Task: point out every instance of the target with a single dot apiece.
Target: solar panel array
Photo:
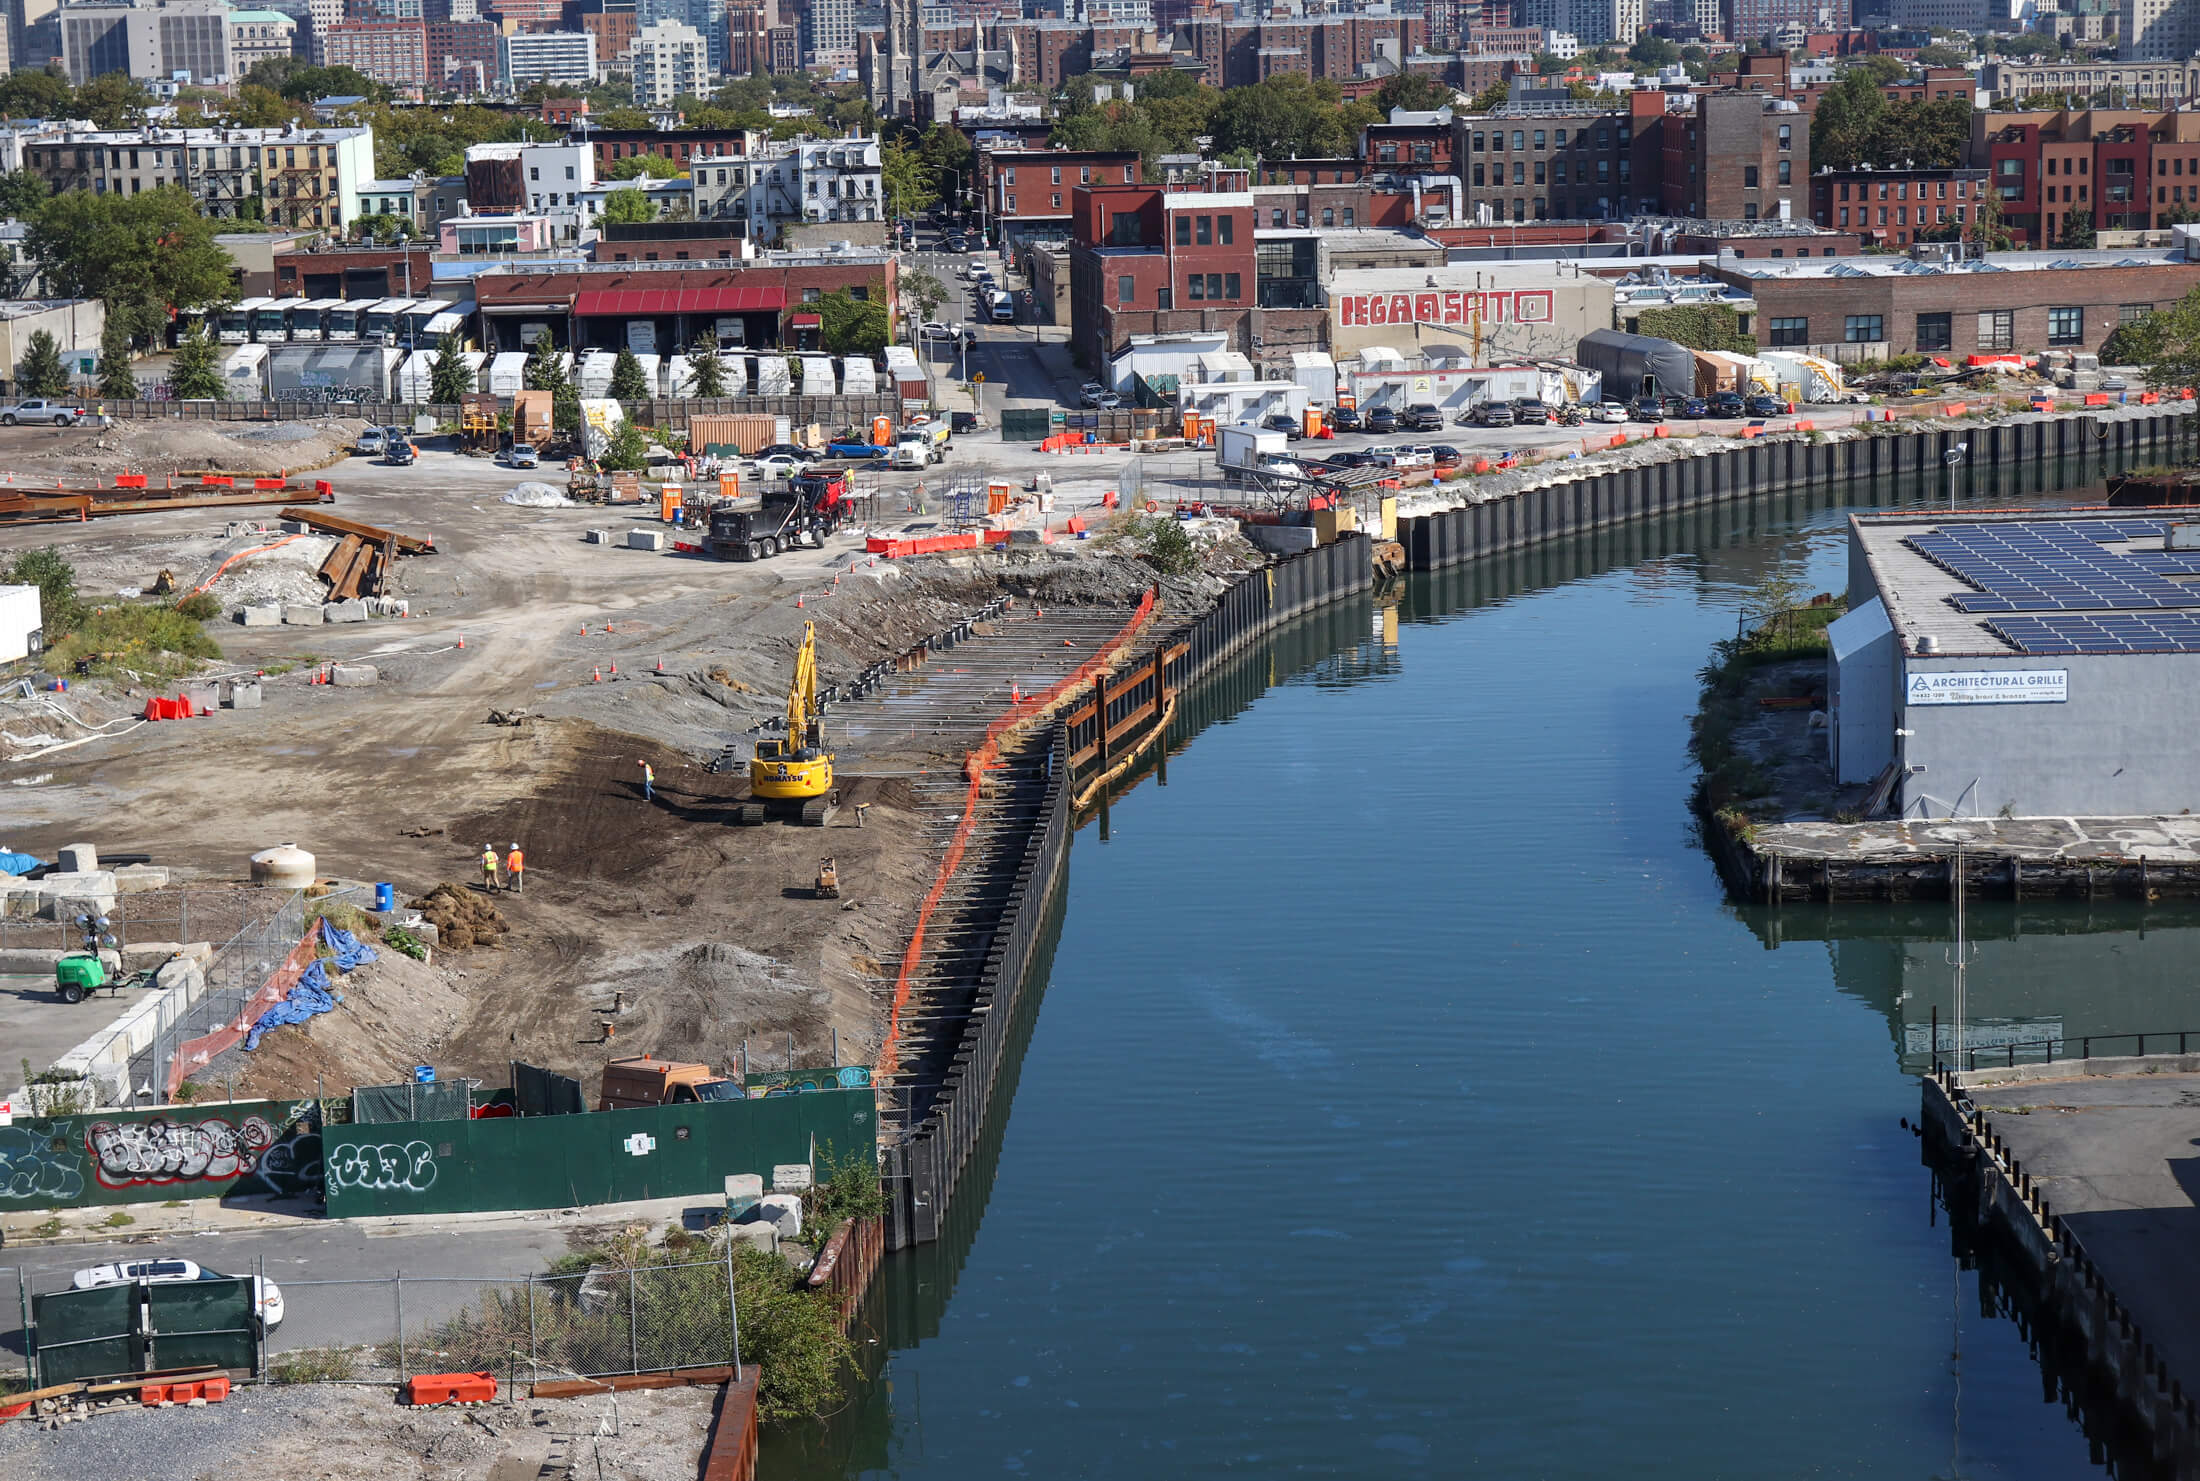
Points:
(2109, 632)
(2059, 566)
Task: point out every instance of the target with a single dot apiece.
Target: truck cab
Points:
(913, 454)
(646, 1080)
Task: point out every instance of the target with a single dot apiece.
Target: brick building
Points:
(1547, 161)
(612, 145)
(1735, 156)
(468, 50)
(1893, 208)
(1230, 52)
(1417, 141)
(773, 297)
(1148, 260)
(359, 273)
(393, 53)
(2016, 303)
(1028, 191)
(2125, 169)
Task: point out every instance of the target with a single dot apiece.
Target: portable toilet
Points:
(882, 431)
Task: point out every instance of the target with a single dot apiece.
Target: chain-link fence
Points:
(15, 1347)
(587, 1325)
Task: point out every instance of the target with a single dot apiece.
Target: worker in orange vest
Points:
(515, 868)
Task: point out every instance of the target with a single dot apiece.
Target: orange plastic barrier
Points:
(217, 481)
(1806, 426)
(213, 1390)
(893, 549)
(1076, 525)
(2096, 398)
(1659, 432)
(1619, 439)
(129, 480)
(2149, 398)
(451, 1388)
(1955, 408)
(270, 483)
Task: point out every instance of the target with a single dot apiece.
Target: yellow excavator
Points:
(791, 779)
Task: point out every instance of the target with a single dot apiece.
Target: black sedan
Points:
(1647, 409)
(1728, 404)
(1766, 406)
(1290, 426)
(1382, 419)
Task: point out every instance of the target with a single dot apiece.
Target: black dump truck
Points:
(799, 516)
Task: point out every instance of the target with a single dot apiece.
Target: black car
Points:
(1728, 404)
(1348, 460)
(1343, 419)
(953, 244)
(1766, 406)
(1646, 409)
(1695, 406)
(1446, 455)
(790, 449)
(1290, 426)
(1382, 419)
(1494, 414)
(1674, 406)
(961, 421)
(1424, 417)
(1530, 412)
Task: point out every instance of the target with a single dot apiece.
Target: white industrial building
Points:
(1476, 313)
(2020, 665)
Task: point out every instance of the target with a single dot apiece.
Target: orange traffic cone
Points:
(584, 629)
(614, 671)
(461, 640)
(660, 665)
(1015, 694)
(798, 601)
(596, 676)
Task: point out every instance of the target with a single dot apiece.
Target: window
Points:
(1183, 231)
(1193, 288)
(1844, 216)
(1997, 329)
(1787, 136)
(1329, 217)
(1859, 329)
(1126, 174)
(1275, 217)
(1559, 138)
(2132, 313)
(1749, 177)
(533, 172)
(1790, 331)
(1223, 225)
(1935, 331)
(1787, 171)
(1386, 154)
(1009, 205)
(1214, 285)
(1057, 200)
(1348, 215)
(1519, 138)
(1204, 232)
(1008, 176)
(1539, 138)
(1519, 174)
(1084, 174)
(1057, 176)
(1126, 289)
(1477, 141)
(1230, 286)
(568, 172)
(1558, 172)
(1478, 172)
(1540, 173)
(1126, 229)
(2066, 326)
(812, 295)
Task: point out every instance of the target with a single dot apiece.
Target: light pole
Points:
(1951, 460)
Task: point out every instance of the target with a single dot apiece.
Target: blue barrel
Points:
(385, 897)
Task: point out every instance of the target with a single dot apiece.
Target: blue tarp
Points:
(312, 996)
(17, 863)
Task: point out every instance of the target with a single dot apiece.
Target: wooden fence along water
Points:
(1967, 460)
(921, 1165)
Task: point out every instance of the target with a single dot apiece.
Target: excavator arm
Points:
(802, 693)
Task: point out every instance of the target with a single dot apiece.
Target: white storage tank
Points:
(283, 867)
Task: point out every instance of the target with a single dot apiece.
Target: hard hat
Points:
(515, 845)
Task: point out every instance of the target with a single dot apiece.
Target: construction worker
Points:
(649, 783)
(515, 868)
(489, 879)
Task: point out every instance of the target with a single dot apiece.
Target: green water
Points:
(1406, 1098)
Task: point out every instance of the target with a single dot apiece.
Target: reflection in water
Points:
(1413, 1102)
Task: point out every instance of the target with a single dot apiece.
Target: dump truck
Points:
(646, 1080)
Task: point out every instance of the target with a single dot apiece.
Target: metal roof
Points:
(751, 299)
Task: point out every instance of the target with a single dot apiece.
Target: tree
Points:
(450, 378)
(302, 82)
(627, 381)
(906, 179)
(852, 326)
(626, 447)
(1653, 52)
(114, 100)
(1414, 93)
(380, 224)
(1491, 98)
(40, 372)
(21, 193)
(628, 206)
(60, 610)
(705, 369)
(636, 166)
(622, 118)
(1938, 55)
(1288, 116)
(924, 293)
(116, 380)
(2165, 343)
(192, 375)
(35, 93)
(2077, 231)
(147, 255)
(545, 368)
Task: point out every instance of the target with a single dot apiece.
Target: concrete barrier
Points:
(353, 675)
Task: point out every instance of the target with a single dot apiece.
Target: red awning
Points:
(805, 321)
(637, 301)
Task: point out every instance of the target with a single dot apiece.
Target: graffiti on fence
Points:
(410, 1167)
(38, 1162)
(130, 1154)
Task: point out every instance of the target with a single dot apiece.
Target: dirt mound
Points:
(395, 1013)
(461, 918)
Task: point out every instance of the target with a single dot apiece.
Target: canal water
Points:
(1406, 1098)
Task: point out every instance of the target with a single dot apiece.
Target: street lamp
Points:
(1951, 460)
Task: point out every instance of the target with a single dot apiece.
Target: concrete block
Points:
(598, 537)
(21, 901)
(27, 961)
(354, 610)
(645, 539)
(244, 695)
(1032, 536)
(1281, 539)
(267, 616)
(427, 933)
(76, 858)
(783, 1211)
(744, 1190)
(301, 616)
(69, 903)
(135, 879)
(181, 973)
(763, 1236)
(353, 675)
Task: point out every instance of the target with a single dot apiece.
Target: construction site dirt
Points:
(517, 703)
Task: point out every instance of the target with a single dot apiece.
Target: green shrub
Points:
(138, 640)
(397, 938)
(61, 609)
(314, 1365)
(200, 606)
(847, 1188)
(1161, 541)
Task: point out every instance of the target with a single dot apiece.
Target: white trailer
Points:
(817, 376)
(508, 373)
(1247, 447)
(244, 374)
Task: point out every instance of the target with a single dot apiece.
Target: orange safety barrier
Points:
(932, 545)
(1659, 432)
(2096, 398)
(216, 481)
(1481, 465)
(2149, 398)
(1955, 408)
(213, 1390)
(1076, 525)
(996, 537)
(1806, 425)
(1619, 439)
(322, 487)
(1754, 429)
(2184, 393)
(270, 483)
(129, 480)
(974, 767)
(194, 1055)
(451, 1388)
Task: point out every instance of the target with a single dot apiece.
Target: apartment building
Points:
(258, 35)
(2123, 169)
(309, 177)
(1894, 208)
(1734, 156)
(1028, 191)
(1546, 161)
(1146, 259)
(794, 181)
(548, 56)
(1334, 46)
(158, 39)
(549, 181)
(2163, 82)
(393, 53)
(669, 59)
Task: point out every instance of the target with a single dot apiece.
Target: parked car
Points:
(977, 270)
(854, 452)
(1766, 406)
(1528, 411)
(1494, 413)
(934, 329)
(1424, 456)
(1695, 406)
(1423, 416)
(954, 244)
(1106, 401)
(1343, 419)
(269, 1296)
(1728, 404)
(371, 442)
(1290, 426)
(778, 465)
(1089, 390)
(1342, 461)
(520, 455)
(399, 452)
(962, 421)
(1675, 406)
(2114, 383)
(1381, 419)
(41, 411)
(1646, 409)
(1608, 411)
(789, 449)
(1447, 456)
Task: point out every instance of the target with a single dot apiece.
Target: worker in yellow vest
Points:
(489, 880)
(649, 782)
(515, 868)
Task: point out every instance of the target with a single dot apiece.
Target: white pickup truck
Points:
(41, 411)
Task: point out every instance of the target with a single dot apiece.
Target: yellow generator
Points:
(791, 779)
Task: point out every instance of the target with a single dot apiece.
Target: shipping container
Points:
(719, 436)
